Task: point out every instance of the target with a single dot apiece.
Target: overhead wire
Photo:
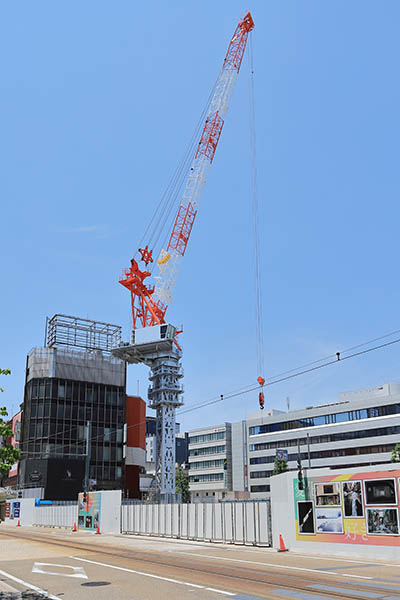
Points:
(280, 378)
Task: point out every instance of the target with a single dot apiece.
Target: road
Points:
(63, 565)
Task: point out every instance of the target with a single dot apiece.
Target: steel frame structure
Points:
(81, 334)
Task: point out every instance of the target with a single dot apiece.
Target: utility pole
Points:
(308, 449)
(87, 459)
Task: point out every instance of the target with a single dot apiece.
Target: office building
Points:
(360, 429)
(210, 463)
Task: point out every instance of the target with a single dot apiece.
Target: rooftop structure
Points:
(65, 331)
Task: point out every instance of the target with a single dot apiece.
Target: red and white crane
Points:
(150, 302)
(160, 349)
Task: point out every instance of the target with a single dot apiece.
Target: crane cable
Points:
(256, 232)
(162, 212)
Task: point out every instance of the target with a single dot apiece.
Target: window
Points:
(260, 488)
(207, 437)
(260, 474)
(106, 434)
(208, 477)
(341, 417)
(208, 450)
(207, 464)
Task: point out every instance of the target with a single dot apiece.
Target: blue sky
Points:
(98, 101)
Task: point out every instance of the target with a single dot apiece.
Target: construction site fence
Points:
(57, 515)
(229, 522)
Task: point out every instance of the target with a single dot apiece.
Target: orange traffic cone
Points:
(98, 529)
(18, 524)
(74, 527)
(282, 547)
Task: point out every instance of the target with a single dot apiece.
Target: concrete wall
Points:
(331, 529)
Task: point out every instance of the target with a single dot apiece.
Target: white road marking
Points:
(252, 562)
(30, 586)
(202, 587)
(78, 572)
(311, 557)
(362, 562)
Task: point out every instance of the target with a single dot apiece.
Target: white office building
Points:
(210, 457)
(361, 429)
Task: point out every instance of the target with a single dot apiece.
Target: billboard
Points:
(352, 508)
(89, 505)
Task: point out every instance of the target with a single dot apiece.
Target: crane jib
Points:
(149, 304)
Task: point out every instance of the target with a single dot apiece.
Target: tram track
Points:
(252, 580)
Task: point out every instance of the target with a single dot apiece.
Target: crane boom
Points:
(149, 304)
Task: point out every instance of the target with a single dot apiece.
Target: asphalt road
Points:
(59, 564)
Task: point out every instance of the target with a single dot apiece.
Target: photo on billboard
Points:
(305, 510)
(380, 491)
(327, 494)
(352, 499)
(382, 521)
(329, 520)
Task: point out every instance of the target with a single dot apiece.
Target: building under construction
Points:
(74, 413)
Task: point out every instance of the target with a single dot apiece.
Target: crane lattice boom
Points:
(149, 304)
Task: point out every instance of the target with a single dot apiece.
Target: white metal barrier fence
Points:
(229, 522)
(64, 515)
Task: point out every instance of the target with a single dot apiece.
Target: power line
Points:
(275, 380)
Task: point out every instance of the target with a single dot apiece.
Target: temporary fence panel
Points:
(218, 529)
(229, 522)
(64, 515)
(208, 521)
(176, 519)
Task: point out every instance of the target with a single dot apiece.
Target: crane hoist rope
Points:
(256, 232)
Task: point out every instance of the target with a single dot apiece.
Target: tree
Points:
(396, 454)
(182, 484)
(8, 454)
(280, 466)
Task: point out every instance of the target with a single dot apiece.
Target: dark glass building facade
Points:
(79, 387)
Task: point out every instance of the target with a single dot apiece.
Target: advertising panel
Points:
(89, 506)
(351, 508)
(352, 499)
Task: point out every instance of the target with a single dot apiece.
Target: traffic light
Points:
(84, 497)
(300, 479)
(225, 464)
